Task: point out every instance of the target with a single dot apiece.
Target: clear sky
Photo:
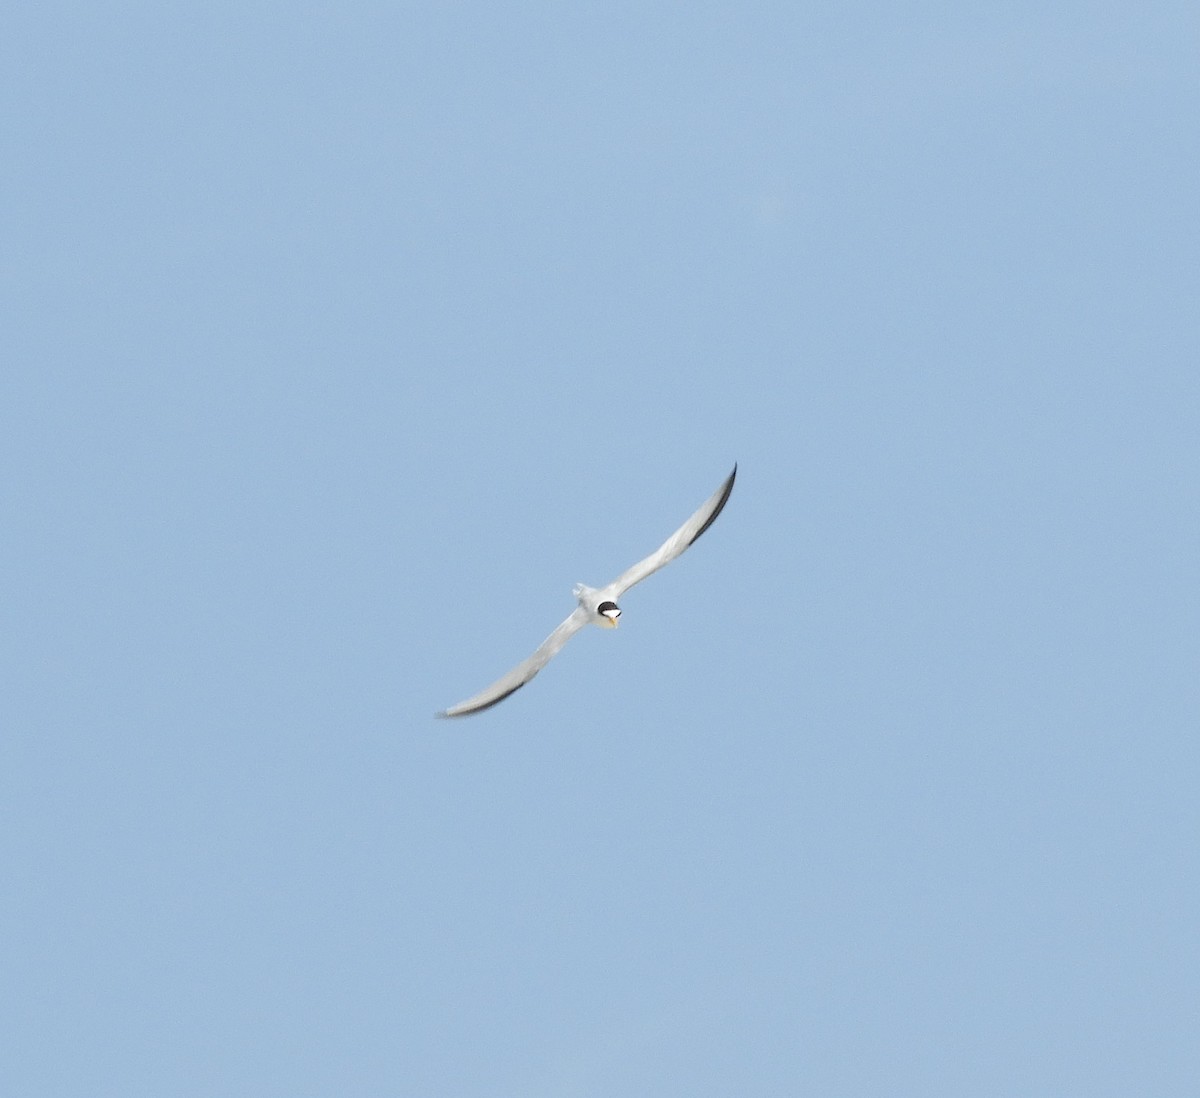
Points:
(340, 340)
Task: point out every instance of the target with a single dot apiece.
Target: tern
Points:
(597, 605)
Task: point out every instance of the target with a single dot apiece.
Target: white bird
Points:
(597, 605)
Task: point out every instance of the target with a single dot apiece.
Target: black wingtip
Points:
(725, 490)
(480, 708)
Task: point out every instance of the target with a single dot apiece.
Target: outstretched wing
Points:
(523, 672)
(677, 542)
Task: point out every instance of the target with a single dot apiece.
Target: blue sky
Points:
(342, 340)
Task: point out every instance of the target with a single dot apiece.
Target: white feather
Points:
(590, 598)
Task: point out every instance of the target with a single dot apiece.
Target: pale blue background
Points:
(339, 340)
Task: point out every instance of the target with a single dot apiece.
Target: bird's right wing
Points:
(703, 518)
(523, 672)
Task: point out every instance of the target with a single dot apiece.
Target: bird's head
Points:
(610, 612)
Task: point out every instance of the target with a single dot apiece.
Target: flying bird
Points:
(598, 605)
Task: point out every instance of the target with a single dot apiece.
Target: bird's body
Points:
(597, 605)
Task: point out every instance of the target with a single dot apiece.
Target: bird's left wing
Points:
(523, 672)
(677, 542)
